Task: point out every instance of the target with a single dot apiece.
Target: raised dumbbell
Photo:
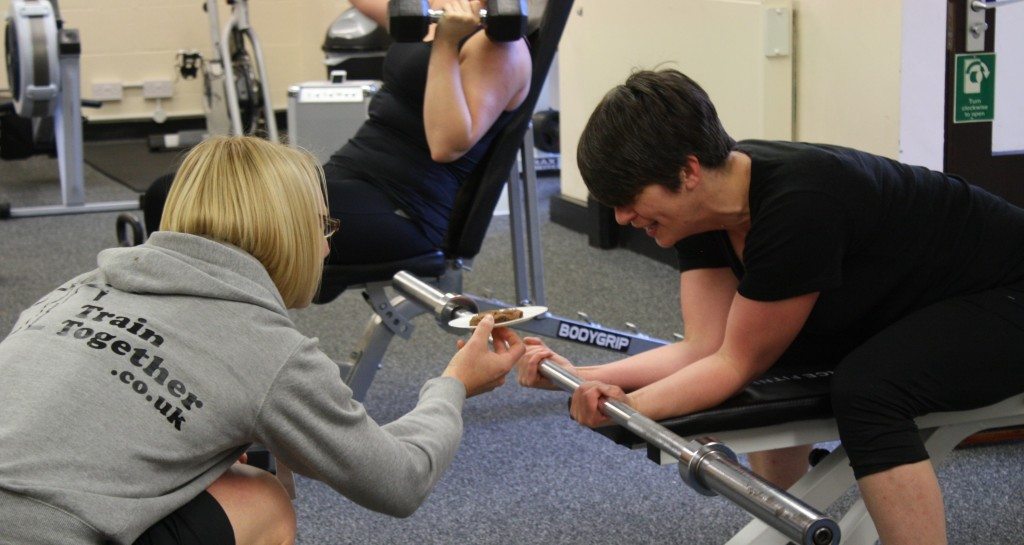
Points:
(503, 20)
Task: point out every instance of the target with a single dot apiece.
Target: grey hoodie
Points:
(131, 388)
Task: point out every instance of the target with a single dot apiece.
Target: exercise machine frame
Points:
(508, 163)
(36, 98)
(220, 86)
(238, 27)
(831, 477)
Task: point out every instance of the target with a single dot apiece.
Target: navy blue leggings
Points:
(962, 353)
(372, 229)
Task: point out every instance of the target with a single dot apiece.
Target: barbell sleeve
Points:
(420, 292)
(445, 306)
(711, 468)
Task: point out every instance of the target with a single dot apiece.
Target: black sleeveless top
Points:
(390, 150)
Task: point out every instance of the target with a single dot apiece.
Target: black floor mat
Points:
(131, 162)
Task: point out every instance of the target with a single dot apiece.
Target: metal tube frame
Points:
(67, 126)
(517, 218)
(527, 256)
(239, 21)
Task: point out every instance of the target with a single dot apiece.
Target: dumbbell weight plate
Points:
(408, 20)
(505, 20)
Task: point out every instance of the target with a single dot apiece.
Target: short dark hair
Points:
(642, 132)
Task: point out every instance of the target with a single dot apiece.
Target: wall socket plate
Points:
(162, 88)
(107, 92)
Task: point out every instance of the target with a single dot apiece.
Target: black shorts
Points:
(201, 521)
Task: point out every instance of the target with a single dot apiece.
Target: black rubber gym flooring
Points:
(130, 162)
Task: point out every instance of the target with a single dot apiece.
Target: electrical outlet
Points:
(161, 88)
(107, 92)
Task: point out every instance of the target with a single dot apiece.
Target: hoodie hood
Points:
(172, 263)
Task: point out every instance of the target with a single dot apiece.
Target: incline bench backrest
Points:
(479, 194)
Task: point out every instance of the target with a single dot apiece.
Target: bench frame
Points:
(832, 476)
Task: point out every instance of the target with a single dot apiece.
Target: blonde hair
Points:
(263, 197)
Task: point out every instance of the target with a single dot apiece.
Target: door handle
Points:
(976, 24)
(982, 5)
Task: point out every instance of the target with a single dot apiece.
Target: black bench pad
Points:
(339, 277)
(774, 398)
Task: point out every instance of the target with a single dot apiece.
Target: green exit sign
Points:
(975, 77)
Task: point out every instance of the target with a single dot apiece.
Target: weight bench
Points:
(786, 409)
(470, 218)
(706, 465)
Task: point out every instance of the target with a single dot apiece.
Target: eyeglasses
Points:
(331, 226)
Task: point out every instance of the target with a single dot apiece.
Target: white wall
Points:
(719, 43)
(848, 73)
(871, 75)
(866, 73)
(922, 83)
(1008, 126)
(134, 40)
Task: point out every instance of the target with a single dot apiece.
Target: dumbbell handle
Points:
(410, 20)
(710, 467)
(436, 14)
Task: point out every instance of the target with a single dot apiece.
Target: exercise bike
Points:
(236, 96)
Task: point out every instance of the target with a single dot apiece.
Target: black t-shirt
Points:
(877, 238)
(390, 149)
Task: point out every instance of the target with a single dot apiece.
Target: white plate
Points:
(529, 313)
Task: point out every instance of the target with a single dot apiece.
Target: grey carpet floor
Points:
(525, 473)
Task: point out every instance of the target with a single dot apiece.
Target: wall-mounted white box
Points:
(163, 88)
(107, 91)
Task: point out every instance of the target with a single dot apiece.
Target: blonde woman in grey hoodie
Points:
(130, 392)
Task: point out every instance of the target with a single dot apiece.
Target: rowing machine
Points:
(43, 69)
